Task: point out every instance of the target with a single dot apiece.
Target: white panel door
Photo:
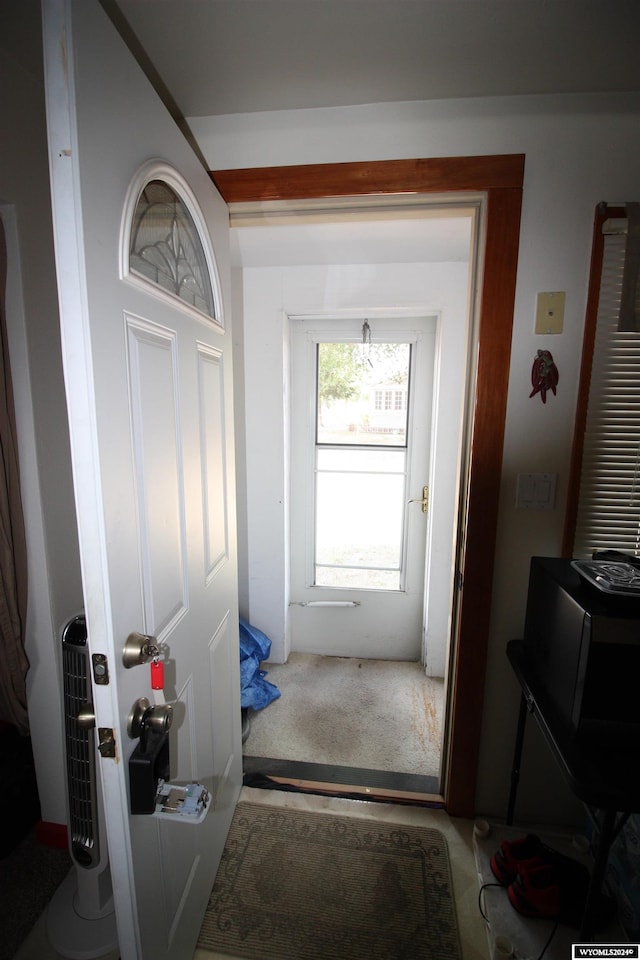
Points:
(360, 460)
(148, 380)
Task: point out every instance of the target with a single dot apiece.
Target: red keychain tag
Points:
(157, 675)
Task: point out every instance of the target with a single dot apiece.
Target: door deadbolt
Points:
(138, 649)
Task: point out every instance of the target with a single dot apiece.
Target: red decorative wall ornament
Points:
(544, 375)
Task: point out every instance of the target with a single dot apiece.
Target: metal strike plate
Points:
(106, 742)
(100, 669)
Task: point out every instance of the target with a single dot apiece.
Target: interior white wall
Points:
(55, 592)
(269, 296)
(580, 150)
(263, 458)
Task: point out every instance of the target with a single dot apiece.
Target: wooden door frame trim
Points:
(500, 178)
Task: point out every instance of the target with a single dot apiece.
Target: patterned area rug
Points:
(294, 885)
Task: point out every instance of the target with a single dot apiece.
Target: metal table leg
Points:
(517, 756)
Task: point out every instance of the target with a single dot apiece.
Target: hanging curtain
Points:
(13, 554)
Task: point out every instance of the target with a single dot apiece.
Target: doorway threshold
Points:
(340, 781)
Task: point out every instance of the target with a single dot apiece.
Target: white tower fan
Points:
(81, 920)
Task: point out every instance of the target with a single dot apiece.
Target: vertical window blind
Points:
(608, 514)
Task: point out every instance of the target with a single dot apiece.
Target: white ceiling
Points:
(242, 56)
(212, 57)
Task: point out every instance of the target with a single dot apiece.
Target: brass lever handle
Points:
(424, 500)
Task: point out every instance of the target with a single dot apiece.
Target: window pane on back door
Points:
(360, 498)
(362, 403)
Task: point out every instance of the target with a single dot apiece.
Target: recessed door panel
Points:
(212, 432)
(158, 472)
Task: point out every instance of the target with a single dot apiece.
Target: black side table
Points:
(600, 766)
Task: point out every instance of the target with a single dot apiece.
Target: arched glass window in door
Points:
(166, 248)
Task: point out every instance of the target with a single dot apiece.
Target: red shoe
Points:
(536, 892)
(506, 862)
(555, 891)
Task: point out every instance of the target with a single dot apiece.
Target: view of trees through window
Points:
(362, 393)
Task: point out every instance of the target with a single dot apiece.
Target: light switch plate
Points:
(536, 491)
(550, 312)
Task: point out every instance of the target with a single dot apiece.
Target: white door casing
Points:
(383, 624)
(148, 383)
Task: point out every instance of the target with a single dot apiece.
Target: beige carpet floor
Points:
(373, 714)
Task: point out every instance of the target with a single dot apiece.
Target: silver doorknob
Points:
(145, 718)
(86, 718)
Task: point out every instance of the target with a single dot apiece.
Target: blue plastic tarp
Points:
(255, 646)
